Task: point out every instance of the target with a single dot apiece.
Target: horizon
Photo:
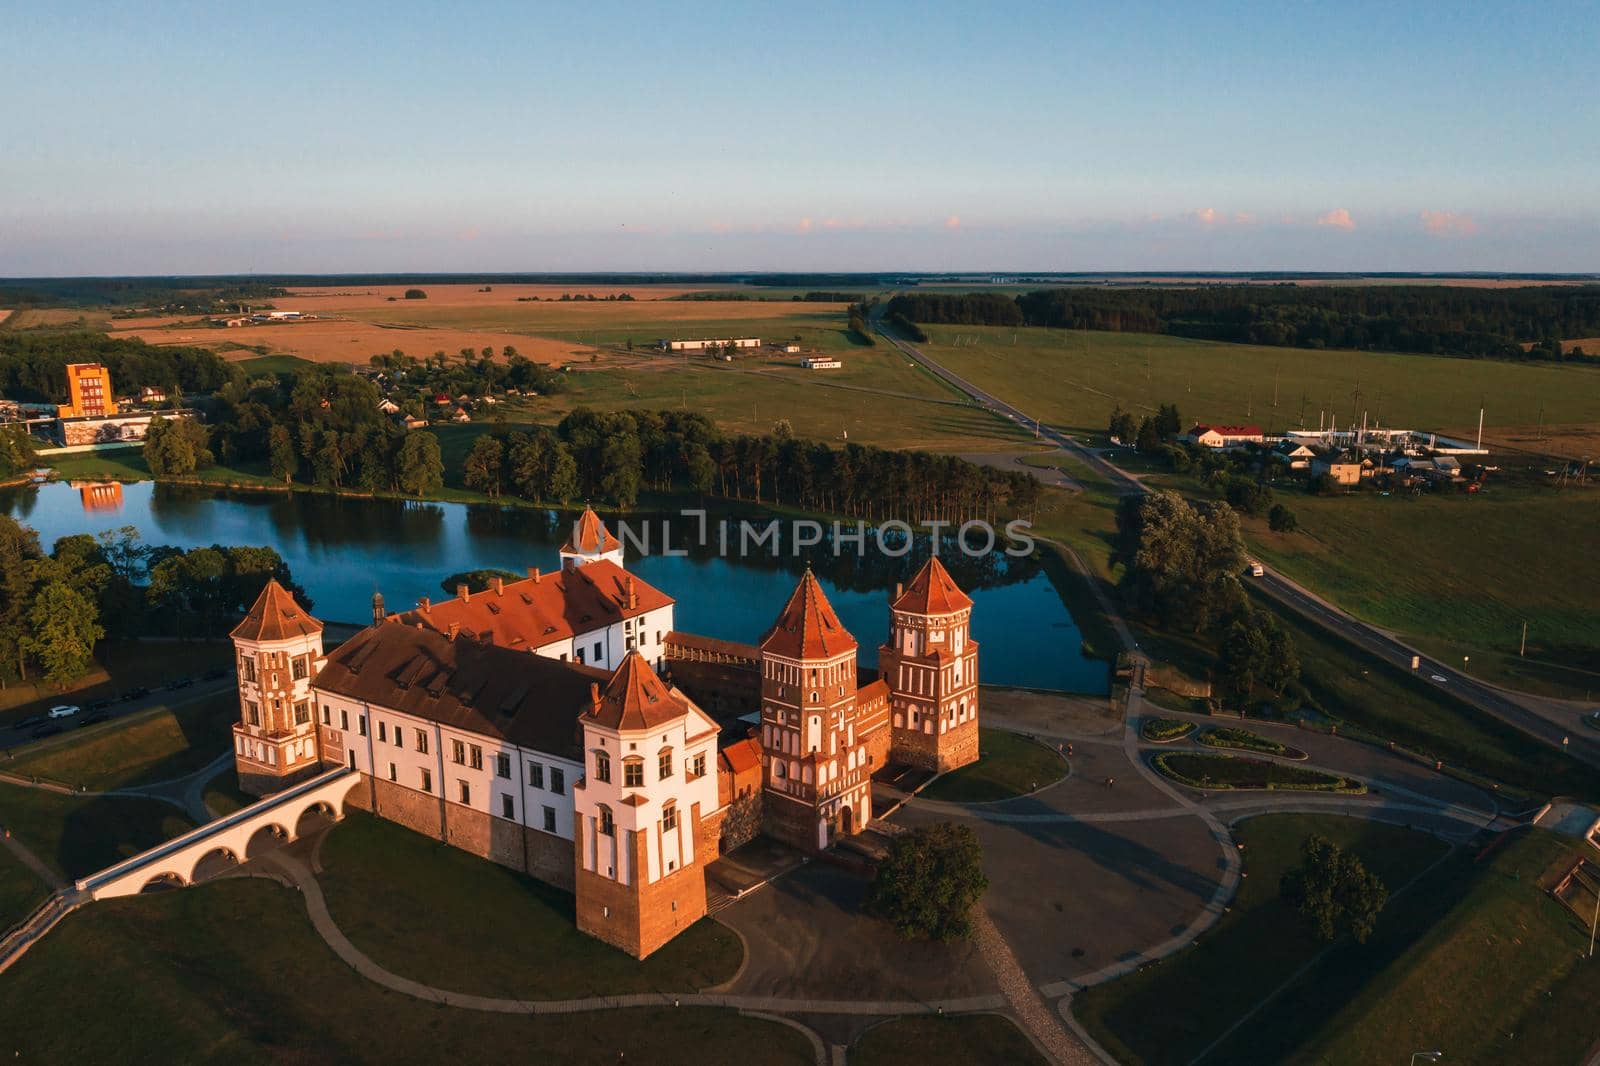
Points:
(901, 138)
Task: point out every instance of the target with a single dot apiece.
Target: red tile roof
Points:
(808, 628)
(275, 616)
(932, 591)
(544, 609)
(635, 698)
(742, 756)
(590, 537)
(1227, 431)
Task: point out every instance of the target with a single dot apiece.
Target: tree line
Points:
(1422, 319)
(33, 365)
(616, 455)
(55, 607)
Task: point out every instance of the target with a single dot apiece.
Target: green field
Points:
(379, 877)
(80, 835)
(20, 890)
(156, 745)
(1074, 379)
(1169, 1011)
(232, 973)
(1008, 765)
(1499, 977)
(970, 1039)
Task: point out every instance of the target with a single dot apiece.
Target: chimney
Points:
(378, 612)
(533, 574)
(899, 589)
(633, 594)
(499, 586)
(424, 604)
(463, 593)
(455, 627)
(594, 697)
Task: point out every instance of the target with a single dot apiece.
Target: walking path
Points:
(1045, 1028)
(184, 792)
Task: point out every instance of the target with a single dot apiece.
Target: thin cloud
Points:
(1338, 218)
(1206, 216)
(1447, 224)
(953, 222)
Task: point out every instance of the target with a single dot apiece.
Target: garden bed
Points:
(1244, 740)
(1224, 772)
(1165, 730)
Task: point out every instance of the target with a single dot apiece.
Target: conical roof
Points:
(808, 628)
(635, 698)
(590, 537)
(275, 616)
(932, 591)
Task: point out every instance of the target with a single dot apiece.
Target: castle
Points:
(538, 723)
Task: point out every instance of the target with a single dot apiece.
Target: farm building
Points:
(1342, 471)
(702, 345)
(1208, 436)
(821, 362)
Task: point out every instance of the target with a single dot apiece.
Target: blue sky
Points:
(928, 136)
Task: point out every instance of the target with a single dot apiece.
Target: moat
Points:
(342, 549)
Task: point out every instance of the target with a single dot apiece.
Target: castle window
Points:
(253, 709)
(669, 816)
(427, 781)
(302, 713)
(383, 731)
(508, 807)
(502, 766)
(477, 757)
(664, 764)
(458, 752)
(422, 742)
(466, 791)
(607, 826)
(298, 668)
(394, 773)
(697, 767)
(535, 774)
(327, 715)
(549, 819)
(558, 780)
(247, 668)
(633, 772)
(777, 769)
(344, 720)
(602, 766)
(361, 724)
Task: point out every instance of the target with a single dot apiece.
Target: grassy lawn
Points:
(1008, 765)
(1205, 770)
(1498, 978)
(20, 890)
(275, 364)
(223, 795)
(971, 1039)
(1169, 1011)
(232, 973)
(79, 835)
(380, 878)
(1169, 700)
(151, 746)
(119, 665)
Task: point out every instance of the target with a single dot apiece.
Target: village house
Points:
(1343, 471)
(1210, 436)
(540, 724)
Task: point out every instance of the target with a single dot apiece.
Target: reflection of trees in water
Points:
(541, 529)
(19, 501)
(335, 522)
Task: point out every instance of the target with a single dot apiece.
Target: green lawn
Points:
(119, 665)
(1214, 771)
(1008, 765)
(20, 889)
(1497, 979)
(1169, 1011)
(232, 973)
(151, 746)
(380, 878)
(223, 795)
(80, 835)
(970, 1039)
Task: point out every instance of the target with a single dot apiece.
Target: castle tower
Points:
(279, 650)
(930, 662)
(646, 812)
(817, 776)
(590, 542)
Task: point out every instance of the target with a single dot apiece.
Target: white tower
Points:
(279, 650)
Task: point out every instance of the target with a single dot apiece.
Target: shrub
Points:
(416, 294)
(1165, 728)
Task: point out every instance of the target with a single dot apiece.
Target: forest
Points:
(33, 365)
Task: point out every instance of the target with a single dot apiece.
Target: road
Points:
(1496, 702)
(12, 737)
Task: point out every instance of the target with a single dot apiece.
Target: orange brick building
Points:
(88, 392)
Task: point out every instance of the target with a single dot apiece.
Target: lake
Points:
(342, 549)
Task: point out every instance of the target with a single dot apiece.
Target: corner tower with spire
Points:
(278, 650)
(590, 542)
(930, 662)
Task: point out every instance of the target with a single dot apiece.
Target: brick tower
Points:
(817, 781)
(930, 662)
(646, 813)
(279, 650)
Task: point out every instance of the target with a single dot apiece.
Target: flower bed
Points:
(1218, 772)
(1165, 730)
(1244, 740)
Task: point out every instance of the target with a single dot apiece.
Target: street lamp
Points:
(1430, 1056)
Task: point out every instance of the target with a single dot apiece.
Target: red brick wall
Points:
(639, 918)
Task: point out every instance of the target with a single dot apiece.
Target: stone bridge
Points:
(227, 841)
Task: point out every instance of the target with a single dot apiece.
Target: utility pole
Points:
(1275, 371)
(1523, 653)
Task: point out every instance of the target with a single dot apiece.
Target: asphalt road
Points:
(1491, 700)
(12, 737)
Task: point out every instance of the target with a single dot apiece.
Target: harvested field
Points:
(1577, 440)
(334, 341)
(321, 298)
(4, 314)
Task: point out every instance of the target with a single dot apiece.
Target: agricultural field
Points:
(1073, 379)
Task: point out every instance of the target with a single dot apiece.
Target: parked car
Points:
(99, 705)
(95, 716)
(177, 683)
(1256, 569)
(137, 693)
(215, 675)
(64, 710)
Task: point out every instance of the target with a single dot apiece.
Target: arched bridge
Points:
(226, 841)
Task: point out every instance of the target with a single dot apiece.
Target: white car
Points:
(1257, 570)
(65, 710)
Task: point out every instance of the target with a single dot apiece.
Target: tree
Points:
(416, 294)
(1122, 428)
(1179, 564)
(65, 625)
(1147, 439)
(1168, 423)
(481, 468)
(1282, 520)
(421, 468)
(929, 882)
(280, 454)
(1333, 891)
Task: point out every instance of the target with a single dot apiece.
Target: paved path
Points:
(185, 793)
(33, 862)
(1036, 1018)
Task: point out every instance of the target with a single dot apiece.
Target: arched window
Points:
(633, 772)
(669, 816)
(777, 769)
(607, 826)
(602, 766)
(664, 764)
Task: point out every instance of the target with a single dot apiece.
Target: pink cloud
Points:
(1448, 224)
(1206, 216)
(953, 222)
(804, 226)
(1338, 218)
